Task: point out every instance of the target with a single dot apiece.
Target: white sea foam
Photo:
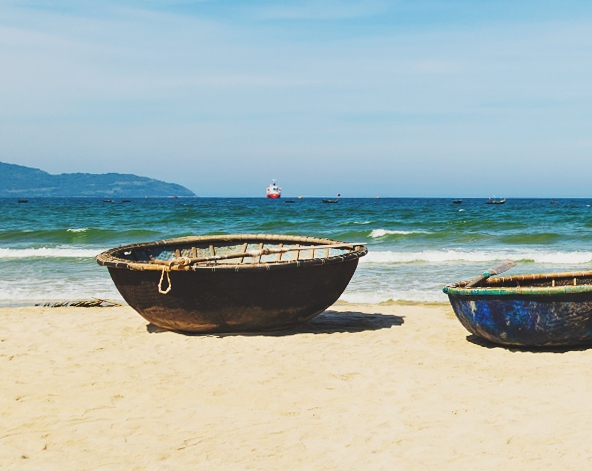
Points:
(57, 289)
(383, 232)
(82, 229)
(551, 257)
(54, 280)
(383, 296)
(50, 252)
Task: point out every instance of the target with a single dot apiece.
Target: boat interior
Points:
(205, 249)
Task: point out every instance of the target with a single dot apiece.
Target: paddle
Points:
(253, 253)
(494, 270)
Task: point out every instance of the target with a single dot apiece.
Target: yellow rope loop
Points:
(160, 290)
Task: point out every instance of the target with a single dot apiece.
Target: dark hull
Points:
(235, 301)
(551, 320)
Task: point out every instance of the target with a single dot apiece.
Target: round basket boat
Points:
(536, 310)
(232, 283)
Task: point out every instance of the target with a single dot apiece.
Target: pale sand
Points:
(401, 389)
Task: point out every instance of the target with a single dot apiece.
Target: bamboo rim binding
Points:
(112, 258)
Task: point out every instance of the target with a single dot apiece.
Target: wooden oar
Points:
(494, 270)
(254, 253)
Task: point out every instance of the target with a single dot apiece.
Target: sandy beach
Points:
(369, 387)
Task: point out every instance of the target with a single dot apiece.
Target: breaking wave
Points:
(50, 252)
(551, 257)
(384, 232)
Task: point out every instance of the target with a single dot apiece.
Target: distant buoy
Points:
(300, 197)
(377, 197)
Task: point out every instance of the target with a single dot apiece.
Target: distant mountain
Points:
(26, 182)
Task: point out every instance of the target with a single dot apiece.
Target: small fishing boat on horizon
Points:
(232, 283)
(457, 201)
(532, 310)
(492, 200)
(336, 200)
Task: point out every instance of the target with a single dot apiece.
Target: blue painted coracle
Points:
(550, 309)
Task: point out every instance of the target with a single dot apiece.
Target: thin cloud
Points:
(321, 10)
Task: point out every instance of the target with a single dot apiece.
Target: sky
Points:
(450, 98)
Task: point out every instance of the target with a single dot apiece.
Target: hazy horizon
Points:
(406, 99)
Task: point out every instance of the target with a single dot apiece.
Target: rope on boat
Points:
(184, 261)
(166, 291)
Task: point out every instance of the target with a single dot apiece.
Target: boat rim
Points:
(458, 289)
(519, 291)
(110, 259)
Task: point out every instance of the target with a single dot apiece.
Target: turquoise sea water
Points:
(47, 246)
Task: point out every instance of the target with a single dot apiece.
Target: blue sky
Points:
(362, 98)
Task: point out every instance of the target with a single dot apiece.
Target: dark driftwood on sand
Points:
(95, 302)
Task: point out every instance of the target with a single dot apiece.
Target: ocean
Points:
(416, 245)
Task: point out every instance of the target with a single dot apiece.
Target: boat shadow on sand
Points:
(474, 339)
(329, 322)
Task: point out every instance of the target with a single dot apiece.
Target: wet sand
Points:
(362, 387)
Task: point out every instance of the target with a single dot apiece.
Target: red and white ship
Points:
(273, 191)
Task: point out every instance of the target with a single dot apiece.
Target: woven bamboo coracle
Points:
(232, 283)
(533, 310)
